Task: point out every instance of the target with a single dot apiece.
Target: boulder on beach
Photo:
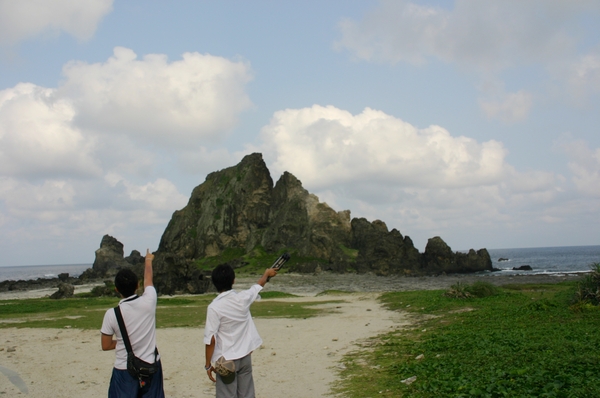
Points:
(65, 290)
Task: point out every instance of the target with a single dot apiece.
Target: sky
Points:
(474, 121)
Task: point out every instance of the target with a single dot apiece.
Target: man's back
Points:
(229, 320)
(139, 316)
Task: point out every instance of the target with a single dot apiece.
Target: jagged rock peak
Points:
(239, 210)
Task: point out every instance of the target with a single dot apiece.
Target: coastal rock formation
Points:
(109, 260)
(238, 212)
(65, 290)
(523, 268)
(39, 283)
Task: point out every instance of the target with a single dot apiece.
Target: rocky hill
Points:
(238, 216)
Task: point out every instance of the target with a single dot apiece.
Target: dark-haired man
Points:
(139, 316)
(230, 334)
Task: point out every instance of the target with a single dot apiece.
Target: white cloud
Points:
(325, 146)
(531, 182)
(424, 182)
(158, 195)
(175, 103)
(64, 199)
(584, 75)
(103, 113)
(514, 107)
(481, 34)
(584, 164)
(37, 137)
(92, 156)
(23, 19)
(67, 218)
(46, 201)
(487, 38)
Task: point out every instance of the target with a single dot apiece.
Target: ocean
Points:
(543, 260)
(27, 272)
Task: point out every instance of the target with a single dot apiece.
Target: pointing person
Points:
(139, 317)
(230, 335)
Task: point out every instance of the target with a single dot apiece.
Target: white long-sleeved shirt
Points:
(228, 319)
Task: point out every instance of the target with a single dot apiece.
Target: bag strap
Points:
(123, 329)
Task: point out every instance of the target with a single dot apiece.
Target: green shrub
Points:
(476, 290)
(483, 289)
(458, 290)
(588, 289)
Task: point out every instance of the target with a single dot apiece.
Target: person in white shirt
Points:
(230, 332)
(139, 316)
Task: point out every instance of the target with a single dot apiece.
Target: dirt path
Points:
(299, 358)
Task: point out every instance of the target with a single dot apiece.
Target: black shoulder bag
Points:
(136, 367)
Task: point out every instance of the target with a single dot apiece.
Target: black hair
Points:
(126, 282)
(222, 277)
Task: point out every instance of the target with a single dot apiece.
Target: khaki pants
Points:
(243, 384)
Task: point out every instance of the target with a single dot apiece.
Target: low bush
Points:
(476, 290)
(588, 289)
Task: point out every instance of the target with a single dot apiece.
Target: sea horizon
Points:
(543, 260)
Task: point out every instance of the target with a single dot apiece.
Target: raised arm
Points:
(269, 273)
(148, 269)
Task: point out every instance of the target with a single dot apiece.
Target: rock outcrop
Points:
(109, 260)
(65, 290)
(238, 211)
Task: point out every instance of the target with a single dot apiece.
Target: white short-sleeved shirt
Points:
(228, 319)
(139, 316)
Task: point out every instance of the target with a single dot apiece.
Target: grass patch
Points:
(333, 292)
(351, 254)
(88, 312)
(276, 295)
(278, 309)
(524, 342)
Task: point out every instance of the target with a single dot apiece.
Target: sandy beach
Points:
(299, 358)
